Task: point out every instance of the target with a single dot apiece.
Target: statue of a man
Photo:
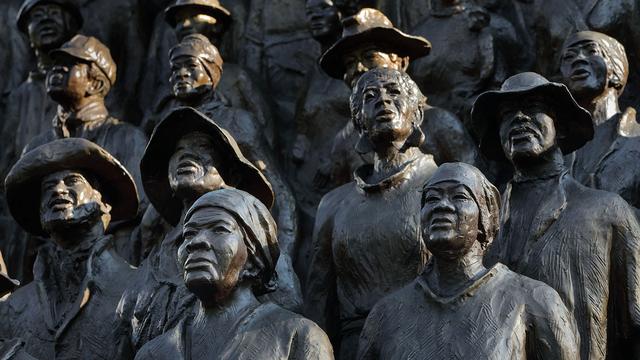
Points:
(69, 190)
(594, 67)
(196, 70)
(228, 257)
(368, 41)
(82, 75)
(585, 243)
(188, 155)
(366, 240)
(238, 87)
(48, 25)
(457, 308)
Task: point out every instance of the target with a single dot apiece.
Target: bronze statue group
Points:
(320, 179)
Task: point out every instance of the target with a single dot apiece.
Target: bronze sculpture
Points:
(595, 68)
(69, 190)
(82, 76)
(583, 242)
(494, 313)
(366, 240)
(187, 156)
(228, 256)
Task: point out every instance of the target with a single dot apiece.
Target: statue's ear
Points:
(364, 145)
(98, 85)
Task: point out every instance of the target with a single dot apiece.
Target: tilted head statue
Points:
(196, 68)
(206, 17)
(83, 67)
(229, 241)
(387, 107)
(370, 41)
(459, 207)
(323, 20)
(593, 62)
(49, 23)
(69, 185)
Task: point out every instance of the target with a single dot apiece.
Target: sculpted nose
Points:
(60, 188)
(196, 243)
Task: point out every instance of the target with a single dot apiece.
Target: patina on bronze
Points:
(578, 240)
(493, 313)
(595, 68)
(69, 190)
(229, 256)
(366, 240)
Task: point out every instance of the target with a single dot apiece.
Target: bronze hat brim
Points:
(154, 166)
(23, 183)
(574, 126)
(389, 40)
(217, 12)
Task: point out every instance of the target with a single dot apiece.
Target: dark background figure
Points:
(494, 313)
(228, 257)
(81, 77)
(366, 240)
(69, 190)
(10, 348)
(595, 68)
(585, 243)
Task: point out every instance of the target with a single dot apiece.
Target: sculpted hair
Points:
(617, 63)
(409, 88)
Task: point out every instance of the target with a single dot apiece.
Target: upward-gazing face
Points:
(193, 166)
(584, 69)
(67, 199)
(527, 129)
(190, 21)
(386, 111)
(449, 218)
(47, 26)
(213, 254)
(323, 19)
(189, 78)
(69, 80)
(368, 57)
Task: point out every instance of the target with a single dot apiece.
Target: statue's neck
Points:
(76, 237)
(547, 164)
(603, 107)
(198, 99)
(390, 161)
(44, 61)
(237, 302)
(450, 276)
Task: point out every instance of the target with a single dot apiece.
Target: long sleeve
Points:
(367, 347)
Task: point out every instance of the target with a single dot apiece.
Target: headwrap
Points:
(258, 228)
(198, 46)
(483, 192)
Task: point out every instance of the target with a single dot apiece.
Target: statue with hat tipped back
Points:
(188, 155)
(366, 238)
(457, 308)
(595, 69)
(82, 75)
(227, 259)
(237, 87)
(68, 191)
(368, 41)
(585, 243)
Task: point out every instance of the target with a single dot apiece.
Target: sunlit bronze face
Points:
(213, 254)
(584, 69)
(527, 129)
(368, 57)
(450, 218)
(189, 78)
(190, 21)
(69, 80)
(48, 26)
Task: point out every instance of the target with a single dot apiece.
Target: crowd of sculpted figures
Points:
(320, 179)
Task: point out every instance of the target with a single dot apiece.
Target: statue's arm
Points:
(369, 337)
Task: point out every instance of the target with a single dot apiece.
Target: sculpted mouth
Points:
(441, 223)
(187, 167)
(197, 263)
(580, 74)
(60, 203)
(522, 134)
(385, 115)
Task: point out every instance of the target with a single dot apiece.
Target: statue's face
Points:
(323, 19)
(449, 218)
(386, 111)
(363, 59)
(47, 26)
(527, 129)
(68, 81)
(190, 21)
(192, 167)
(584, 69)
(189, 78)
(67, 198)
(213, 254)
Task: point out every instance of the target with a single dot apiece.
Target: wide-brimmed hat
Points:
(23, 183)
(209, 7)
(371, 26)
(92, 50)
(573, 123)
(69, 5)
(237, 171)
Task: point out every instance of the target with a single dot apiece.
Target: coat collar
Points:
(408, 171)
(467, 292)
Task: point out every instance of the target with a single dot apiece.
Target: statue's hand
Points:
(299, 150)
